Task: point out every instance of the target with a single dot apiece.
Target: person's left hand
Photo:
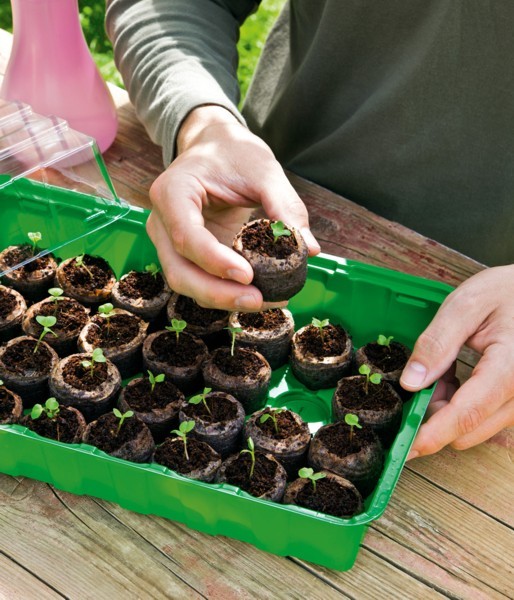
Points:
(479, 313)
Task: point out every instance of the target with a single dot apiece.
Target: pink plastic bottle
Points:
(51, 69)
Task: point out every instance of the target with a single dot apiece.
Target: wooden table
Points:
(448, 531)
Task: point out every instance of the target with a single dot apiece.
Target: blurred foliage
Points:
(253, 35)
(92, 12)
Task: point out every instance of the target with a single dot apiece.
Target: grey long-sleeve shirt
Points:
(404, 106)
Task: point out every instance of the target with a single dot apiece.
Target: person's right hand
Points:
(222, 172)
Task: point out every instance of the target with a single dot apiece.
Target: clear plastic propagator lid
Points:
(53, 181)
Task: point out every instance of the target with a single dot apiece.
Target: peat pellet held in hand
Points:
(278, 256)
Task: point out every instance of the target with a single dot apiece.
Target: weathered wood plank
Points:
(51, 535)
(231, 560)
(483, 475)
(472, 548)
(375, 576)
(16, 583)
(219, 567)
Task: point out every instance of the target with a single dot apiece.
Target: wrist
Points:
(198, 120)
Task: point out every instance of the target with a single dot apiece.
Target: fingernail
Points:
(412, 454)
(238, 275)
(414, 374)
(247, 302)
(310, 240)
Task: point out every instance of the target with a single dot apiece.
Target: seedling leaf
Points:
(184, 428)
(122, 417)
(46, 322)
(178, 326)
(233, 332)
(308, 473)
(279, 230)
(201, 398)
(382, 340)
(153, 269)
(251, 451)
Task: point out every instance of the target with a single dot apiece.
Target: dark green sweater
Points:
(404, 106)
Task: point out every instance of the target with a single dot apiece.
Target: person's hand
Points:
(479, 313)
(200, 202)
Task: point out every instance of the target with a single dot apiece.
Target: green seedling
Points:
(153, 269)
(279, 230)
(320, 325)
(56, 295)
(34, 237)
(308, 473)
(79, 261)
(382, 340)
(46, 323)
(154, 379)
(122, 417)
(353, 421)
(374, 378)
(178, 326)
(251, 451)
(106, 311)
(184, 428)
(97, 356)
(273, 416)
(233, 332)
(51, 409)
(201, 398)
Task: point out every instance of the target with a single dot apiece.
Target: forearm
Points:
(175, 56)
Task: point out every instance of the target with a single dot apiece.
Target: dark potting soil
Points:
(337, 438)
(21, 253)
(21, 358)
(62, 428)
(222, 410)
(173, 456)
(105, 436)
(258, 237)
(386, 359)
(7, 304)
(286, 425)
(141, 285)
(244, 362)
(264, 320)
(116, 331)
(70, 314)
(180, 354)
(194, 314)
(81, 377)
(79, 278)
(330, 498)
(331, 342)
(6, 404)
(238, 473)
(141, 398)
(353, 394)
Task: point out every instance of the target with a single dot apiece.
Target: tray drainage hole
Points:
(312, 409)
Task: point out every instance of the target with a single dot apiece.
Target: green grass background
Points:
(253, 35)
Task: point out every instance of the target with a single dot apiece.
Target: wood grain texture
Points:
(16, 583)
(470, 546)
(69, 542)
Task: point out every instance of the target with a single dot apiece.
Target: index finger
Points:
(181, 215)
(290, 209)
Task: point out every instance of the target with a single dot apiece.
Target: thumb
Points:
(438, 346)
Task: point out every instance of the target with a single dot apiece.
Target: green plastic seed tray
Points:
(364, 299)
